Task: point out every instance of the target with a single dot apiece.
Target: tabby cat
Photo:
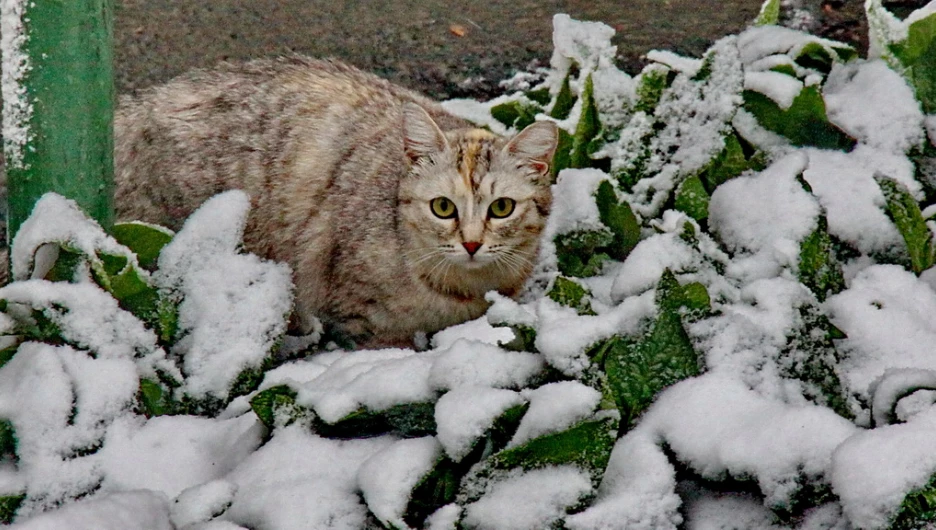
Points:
(395, 216)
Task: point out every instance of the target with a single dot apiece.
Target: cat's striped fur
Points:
(342, 167)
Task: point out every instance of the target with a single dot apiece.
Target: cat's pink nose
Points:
(471, 247)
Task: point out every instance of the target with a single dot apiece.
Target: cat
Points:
(395, 216)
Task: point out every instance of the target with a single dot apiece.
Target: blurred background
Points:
(441, 47)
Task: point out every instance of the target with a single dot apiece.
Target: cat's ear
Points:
(421, 136)
(535, 145)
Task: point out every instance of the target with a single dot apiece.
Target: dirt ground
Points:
(445, 48)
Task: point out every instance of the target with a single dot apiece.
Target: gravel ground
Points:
(441, 47)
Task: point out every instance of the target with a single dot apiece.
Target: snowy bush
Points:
(730, 326)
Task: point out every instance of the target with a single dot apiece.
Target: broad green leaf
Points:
(65, 266)
(438, 488)
(562, 159)
(524, 339)
(728, 164)
(818, 268)
(7, 353)
(571, 294)
(917, 54)
(815, 56)
(409, 420)
(692, 199)
(7, 441)
(811, 357)
(515, 114)
(587, 445)
(652, 82)
(540, 95)
(277, 401)
(587, 128)
(639, 369)
(580, 254)
(617, 215)
(904, 211)
(918, 509)
(145, 240)
(805, 123)
(154, 399)
(784, 69)
(8, 506)
(564, 100)
(769, 14)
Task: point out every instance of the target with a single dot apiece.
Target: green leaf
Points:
(409, 420)
(784, 69)
(587, 444)
(692, 199)
(728, 164)
(7, 441)
(65, 266)
(154, 399)
(438, 488)
(811, 357)
(8, 506)
(638, 370)
(564, 100)
(277, 401)
(769, 14)
(918, 509)
(145, 240)
(588, 127)
(904, 211)
(815, 56)
(571, 294)
(540, 95)
(7, 353)
(818, 268)
(578, 253)
(917, 54)
(515, 114)
(652, 82)
(562, 159)
(805, 123)
(617, 215)
(524, 339)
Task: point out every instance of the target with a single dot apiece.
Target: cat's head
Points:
(474, 203)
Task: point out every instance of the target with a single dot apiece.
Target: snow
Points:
(464, 414)
(470, 363)
(233, 305)
(874, 104)
(57, 220)
(768, 212)
(779, 87)
(534, 499)
(141, 510)
(299, 480)
(17, 109)
(90, 318)
(170, 454)
(373, 380)
(886, 315)
(874, 470)
(88, 457)
(555, 407)
(387, 477)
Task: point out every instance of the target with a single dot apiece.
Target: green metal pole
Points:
(66, 136)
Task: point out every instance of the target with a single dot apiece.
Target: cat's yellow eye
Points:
(501, 208)
(443, 208)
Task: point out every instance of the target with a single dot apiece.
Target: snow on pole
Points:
(58, 104)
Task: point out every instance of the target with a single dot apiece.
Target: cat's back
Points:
(253, 126)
